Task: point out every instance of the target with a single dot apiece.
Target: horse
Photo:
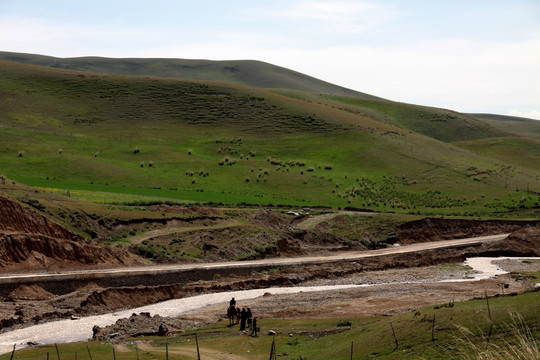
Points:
(232, 315)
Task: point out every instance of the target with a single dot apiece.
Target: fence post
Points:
(13, 352)
(57, 352)
(166, 351)
(394, 333)
(197, 342)
(489, 314)
(273, 355)
(352, 347)
(89, 353)
(487, 301)
(113, 353)
(433, 329)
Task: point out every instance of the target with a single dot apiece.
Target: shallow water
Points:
(81, 329)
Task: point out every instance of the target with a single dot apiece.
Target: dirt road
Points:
(165, 269)
(398, 295)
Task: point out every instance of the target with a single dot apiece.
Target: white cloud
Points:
(338, 16)
(21, 34)
(531, 114)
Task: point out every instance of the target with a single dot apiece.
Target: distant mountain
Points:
(251, 73)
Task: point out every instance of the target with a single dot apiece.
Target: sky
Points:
(465, 55)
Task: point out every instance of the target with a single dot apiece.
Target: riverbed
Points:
(81, 329)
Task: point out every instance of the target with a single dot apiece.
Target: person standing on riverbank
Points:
(255, 330)
(249, 318)
(243, 318)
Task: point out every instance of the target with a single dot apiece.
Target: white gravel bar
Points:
(485, 267)
(81, 329)
(63, 331)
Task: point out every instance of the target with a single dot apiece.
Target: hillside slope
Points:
(251, 73)
(515, 125)
(230, 144)
(441, 124)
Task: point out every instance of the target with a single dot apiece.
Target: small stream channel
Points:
(63, 331)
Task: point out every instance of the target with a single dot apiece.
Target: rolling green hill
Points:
(225, 143)
(441, 124)
(255, 74)
(515, 125)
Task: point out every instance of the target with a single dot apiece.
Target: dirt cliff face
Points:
(28, 240)
(433, 229)
(16, 218)
(523, 242)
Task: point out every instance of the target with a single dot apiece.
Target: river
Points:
(63, 331)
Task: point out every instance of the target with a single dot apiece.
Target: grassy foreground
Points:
(448, 331)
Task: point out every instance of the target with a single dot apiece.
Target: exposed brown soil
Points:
(29, 241)
(435, 229)
(24, 307)
(30, 292)
(16, 218)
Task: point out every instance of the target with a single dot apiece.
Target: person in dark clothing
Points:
(249, 318)
(162, 330)
(255, 330)
(243, 318)
(232, 302)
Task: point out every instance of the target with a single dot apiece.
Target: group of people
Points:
(246, 318)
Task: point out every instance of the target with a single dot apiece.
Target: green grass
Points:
(444, 125)
(523, 152)
(514, 125)
(372, 337)
(255, 74)
(228, 144)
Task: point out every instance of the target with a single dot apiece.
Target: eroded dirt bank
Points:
(30, 241)
(31, 305)
(435, 229)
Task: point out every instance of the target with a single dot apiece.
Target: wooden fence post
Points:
(13, 352)
(273, 355)
(57, 352)
(89, 353)
(489, 314)
(487, 301)
(197, 342)
(394, 333)
(433, 329)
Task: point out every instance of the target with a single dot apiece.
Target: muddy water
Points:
(81, 329)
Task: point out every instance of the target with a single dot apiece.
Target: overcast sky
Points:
(465, 55)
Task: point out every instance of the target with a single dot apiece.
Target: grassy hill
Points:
(225, 143)
(255, 74)
(515, 125)
(441, 124)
